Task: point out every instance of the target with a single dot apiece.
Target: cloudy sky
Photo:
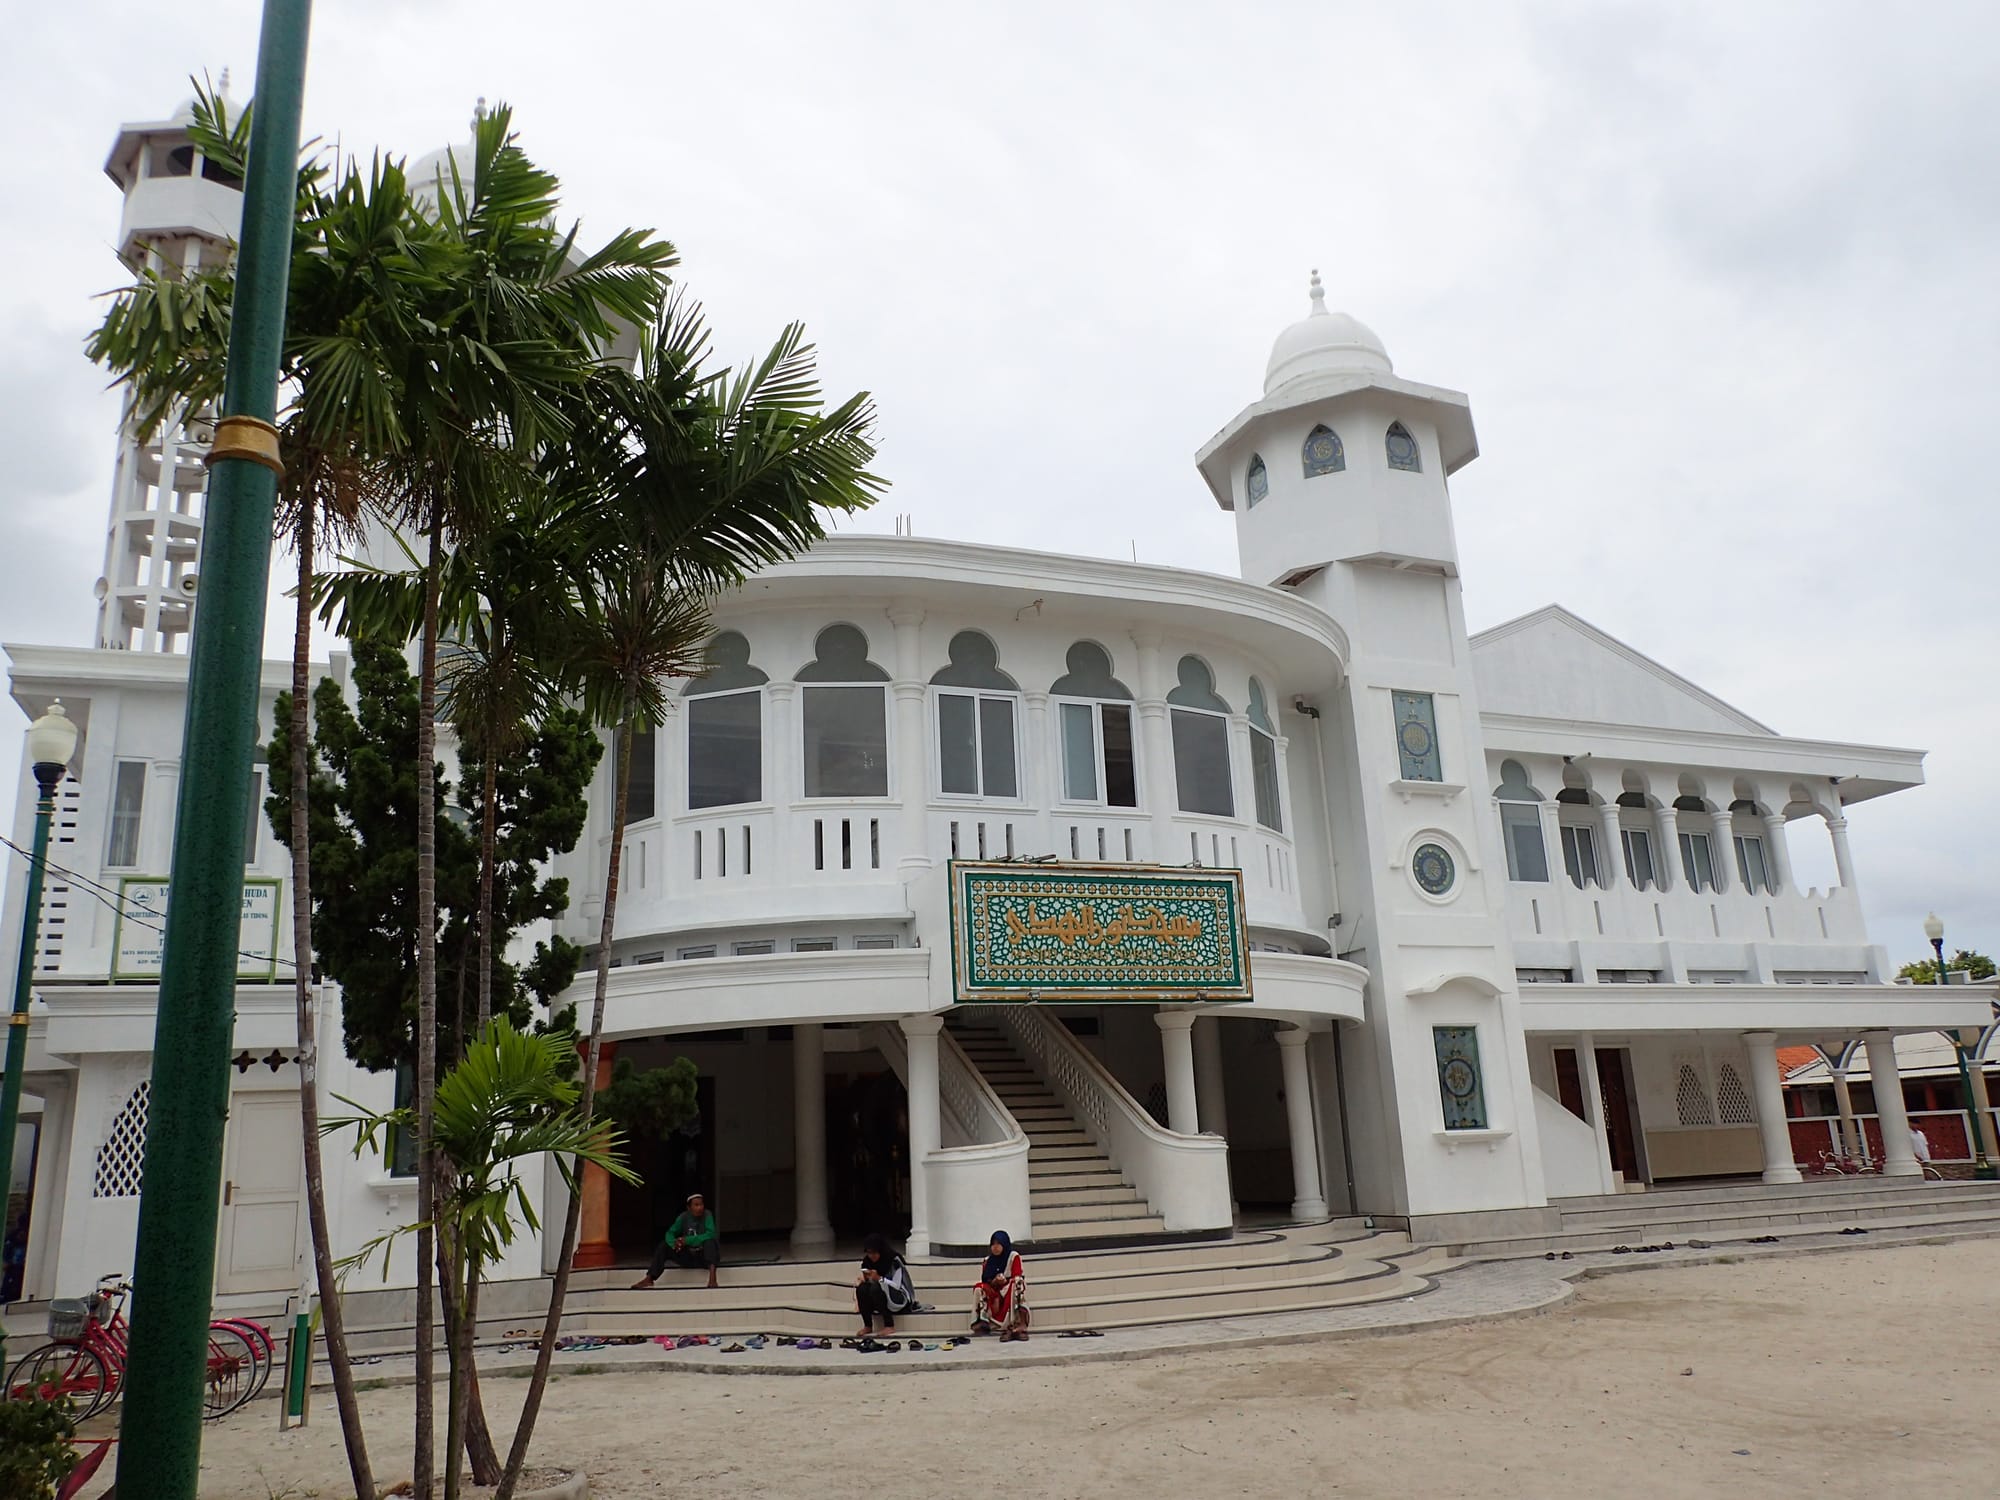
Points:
(1720, 280)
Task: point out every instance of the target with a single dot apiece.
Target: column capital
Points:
(1293, 1036)
(925, 1025)
(1836, 822)
(1760, 1038)
(904, 614)
(907, 690)
(1175, 1019)
(781, 691)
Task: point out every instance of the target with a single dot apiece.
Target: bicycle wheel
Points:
(261, 1348)
(64, 1372)
(231, 1378)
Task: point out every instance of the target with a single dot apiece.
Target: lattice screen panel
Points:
(1732, 1100)
(1691, 1097)
(122, 1155)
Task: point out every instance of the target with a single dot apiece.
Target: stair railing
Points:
(978, 1176)
(1184, 1177)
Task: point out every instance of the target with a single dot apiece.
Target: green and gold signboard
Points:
(1096, 932)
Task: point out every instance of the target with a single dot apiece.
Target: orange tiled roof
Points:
(1791, 1058)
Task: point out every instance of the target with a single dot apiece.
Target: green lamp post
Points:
(173, 1264)
(1982, 1165)
(51, 743)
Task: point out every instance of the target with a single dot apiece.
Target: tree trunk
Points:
(452, 1256)
(479, 1449)
(324, 1271)
(489, 840)
(517, 1455)
(424, 1463)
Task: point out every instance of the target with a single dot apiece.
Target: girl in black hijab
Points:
(883, 1288)
(1001, 1303)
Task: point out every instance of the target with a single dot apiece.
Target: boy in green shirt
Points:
(693, 1241)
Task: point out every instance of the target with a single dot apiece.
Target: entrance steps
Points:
(1724, 1212)
(1075, 1191)
(1290, 1270)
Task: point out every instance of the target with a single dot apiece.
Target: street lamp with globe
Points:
(1982, 1165)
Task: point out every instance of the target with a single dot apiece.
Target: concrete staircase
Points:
(1728, 1212)
(1290, 1270)
(1075, 1191)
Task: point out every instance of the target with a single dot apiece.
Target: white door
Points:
(263, 1182)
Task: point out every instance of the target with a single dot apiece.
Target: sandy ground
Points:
(1864, 1373)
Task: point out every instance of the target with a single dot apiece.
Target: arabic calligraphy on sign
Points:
(1100, 932)
(1072, 925)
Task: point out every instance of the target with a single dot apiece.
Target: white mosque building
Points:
(1108, 902)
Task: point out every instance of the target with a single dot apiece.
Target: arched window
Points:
(1099, 763)
(977, 751)
(1264, 760)
(1201, 742)
(1256, 483)
(1521, 825)
(1403, 449)
(844, 716)
(1323, 453)
(1697, 857)
(725, 727)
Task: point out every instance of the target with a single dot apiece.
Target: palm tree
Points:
(509, 1099)
(689, 478)
(165, 337)
(514, 320)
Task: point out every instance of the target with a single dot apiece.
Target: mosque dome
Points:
(1324, 343)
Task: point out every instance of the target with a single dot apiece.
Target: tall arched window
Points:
(1521, 825)
(1201, 742)
(1264, 760)
(1256, 483)
(1099, 762)
(1323, 453)
(725, 727)
(844, 716)
(1403, 449)
(977, 750)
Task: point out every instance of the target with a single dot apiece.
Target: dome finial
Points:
(1318, 296)
(222, 83)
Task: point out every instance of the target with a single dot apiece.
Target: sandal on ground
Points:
(1079, 1333)
(1621, 1249)
(732, 1348)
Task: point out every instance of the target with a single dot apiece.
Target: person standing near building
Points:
(1920, 1146)
(692, 1241)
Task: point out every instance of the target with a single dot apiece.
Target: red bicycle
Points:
(84, 1360)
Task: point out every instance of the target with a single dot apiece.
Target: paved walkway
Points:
(1476, 1291)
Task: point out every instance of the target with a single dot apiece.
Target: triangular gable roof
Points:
(1553, 665)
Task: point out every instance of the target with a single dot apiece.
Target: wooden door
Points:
(1615, 1085)
(264, 1176)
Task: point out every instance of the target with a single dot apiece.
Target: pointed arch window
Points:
(1521, 825)
(1200, 721)
(1264, 760)
(844, 717)
(977, 750)
(1099, 758)
(1403, 449)
(1256, 482)
(1323, 453)
(725, 727)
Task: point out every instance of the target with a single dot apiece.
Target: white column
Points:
(1156, 751)
(156, 819)
(912, 768)
(1211, 1102)
(1843, 862)
(1722, 854)
(811, 1228)
(1777, 854)
(921, 1034)
(1593, 1101)
(1852, 1142)
(1308, 1201)
(1768, 1086)
(1043, 773)
(1667, 857)
(1611, 857)
(1898, 1159)
(1177, 1058)
(784, 780)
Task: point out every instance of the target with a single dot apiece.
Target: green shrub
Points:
(36, 1451)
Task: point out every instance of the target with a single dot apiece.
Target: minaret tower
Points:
(1337, 479)
(182, 213)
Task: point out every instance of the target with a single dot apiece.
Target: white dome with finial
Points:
(1324, 343)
